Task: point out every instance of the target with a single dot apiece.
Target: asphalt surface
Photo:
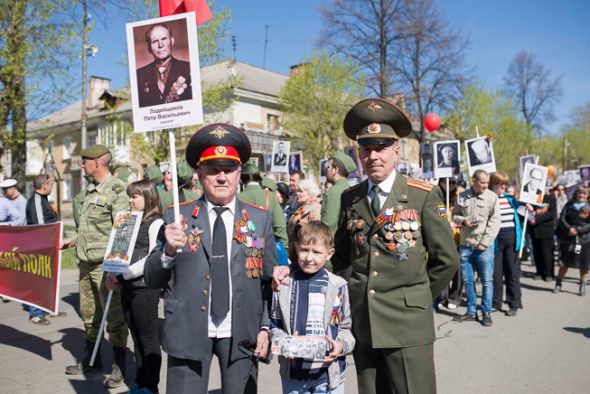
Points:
(544, 349)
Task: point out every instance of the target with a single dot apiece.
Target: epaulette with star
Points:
(183, 203)
(255, 206)
(420, 184)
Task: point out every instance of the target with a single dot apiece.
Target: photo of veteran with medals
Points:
(387, 225)
(220, 258)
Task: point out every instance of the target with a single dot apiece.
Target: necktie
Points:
(375, 204)
(219, 270)
(162, 79)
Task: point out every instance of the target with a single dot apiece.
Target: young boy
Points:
(315, 304)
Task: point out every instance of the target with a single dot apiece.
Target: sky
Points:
(557, 32)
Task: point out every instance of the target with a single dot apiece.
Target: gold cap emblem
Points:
(374, 128)
(373, 106)
(219, 132)
(221, 150)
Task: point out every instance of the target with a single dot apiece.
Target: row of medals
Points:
(254, 247)
(401, 226)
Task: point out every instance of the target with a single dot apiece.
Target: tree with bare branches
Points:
(533, 89)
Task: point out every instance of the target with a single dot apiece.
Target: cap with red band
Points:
(220, 152)
(218, 143)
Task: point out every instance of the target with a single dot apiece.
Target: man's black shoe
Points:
(486, 319)
(465, 317)
(512, 312)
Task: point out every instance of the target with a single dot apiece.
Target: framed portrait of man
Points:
(426, 160)
(523, 160)
(164, 73)
(533, 184)
(280, 156)
(584, 173)
(294, 162)
(480, 155)
(447, 158)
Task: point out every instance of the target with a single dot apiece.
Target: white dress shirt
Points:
(385, 187)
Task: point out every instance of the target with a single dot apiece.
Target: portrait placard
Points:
(480, 155)
(122, 241)
(295, 162)
(533, 184)
(323, 166)
(426, 161)
(523, 160)
(447, 158)
(280, 155)
(164, 73)
(584, 172)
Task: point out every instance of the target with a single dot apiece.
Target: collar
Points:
(166, 63)
(101, 185)
(231, 205)
(253, 183)
(386, 185)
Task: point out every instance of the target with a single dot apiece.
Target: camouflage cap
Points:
(376, 121)
(250, 168)
(346, 160)
(269, 184)
(154, 174)
(94, 151)
(183, 170)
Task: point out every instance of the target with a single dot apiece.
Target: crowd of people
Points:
(254, 266)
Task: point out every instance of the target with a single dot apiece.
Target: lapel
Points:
(360, 203)
(285, 304)
(398, 195)
(235, 246)
(331, 294)
(202, 222)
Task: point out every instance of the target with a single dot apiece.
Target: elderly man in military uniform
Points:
(103, 198)
(388, 225)
(339, 166)
(220, 257)
(264, 198)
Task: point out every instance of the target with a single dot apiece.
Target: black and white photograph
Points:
(122, 241)
(480, 155)
(323, 165)
(294, 162)
(280, 156)
(523, 160)
(267, 162)
(164, 73)
(533, 184)
(585, 173)
(426, 161)
(447, 158)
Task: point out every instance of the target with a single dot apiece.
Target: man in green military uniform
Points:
(103, 198)
(387, 226)
(339, 166)
(185, 176)
(265, 199)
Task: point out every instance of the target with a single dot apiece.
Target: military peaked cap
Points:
(94, 151)
(346, 161)
(218, 143)
(376, 121)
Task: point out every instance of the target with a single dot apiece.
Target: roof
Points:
(251, 78)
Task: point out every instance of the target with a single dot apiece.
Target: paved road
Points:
(544, 349)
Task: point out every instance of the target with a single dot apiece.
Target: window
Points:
(67, 148)
(68, 192)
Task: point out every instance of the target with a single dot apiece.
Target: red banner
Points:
(30, 262)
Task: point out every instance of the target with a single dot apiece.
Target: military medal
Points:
(414, 226)
(408, 235)
(249, 223)
(389, 236)
(360, 224)
(241, 229)
(360, 239)
(391, 245)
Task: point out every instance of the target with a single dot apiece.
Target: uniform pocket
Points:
(418, 298)
(171, 304)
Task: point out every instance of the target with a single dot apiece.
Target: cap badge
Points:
(219, 132)
(221, 150)
(373, 106)
(374, 128)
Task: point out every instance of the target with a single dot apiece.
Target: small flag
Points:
(200, 8)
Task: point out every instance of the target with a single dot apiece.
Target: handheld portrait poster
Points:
(523, 160)
(306, 347)
(426, 161)
(164, 73)
(447, 158)
(533, 184)
(122, 241)
(323, 166)
(280, 154)
(480, 155)
(585, 173)
(30, 262)
(294, 162)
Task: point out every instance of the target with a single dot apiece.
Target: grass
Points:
(68, 259)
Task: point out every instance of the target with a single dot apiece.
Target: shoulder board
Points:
(420, 184)
(255, 206)
(183, 203)
(352, 188)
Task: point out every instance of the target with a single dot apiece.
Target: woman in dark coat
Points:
(573, 231)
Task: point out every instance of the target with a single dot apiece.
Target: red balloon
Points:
(431, 122)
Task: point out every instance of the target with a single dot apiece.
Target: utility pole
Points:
(566, 145)
(265, 45)
(85, 29)
(234, 46)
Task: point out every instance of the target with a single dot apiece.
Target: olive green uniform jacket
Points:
(331, 203)
(391, 299)
(96, 216)
(265, 199)
(166, 198)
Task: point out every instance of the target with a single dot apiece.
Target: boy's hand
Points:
(262, 344)
(336, 351)
(280, 275)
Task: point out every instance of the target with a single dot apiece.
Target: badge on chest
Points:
(245, 234)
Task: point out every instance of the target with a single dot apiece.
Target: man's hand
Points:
(111, 281)
(66, 243)
(481, 247)
(533, 221)
(466, 222)
(175, 238)
(573, 232)
(280, 275)
(262, 344)
(336, 351)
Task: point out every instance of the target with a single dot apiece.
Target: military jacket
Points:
(96, 216)
(331, 203)
(166, 198)
(254, 194)
(391, 287)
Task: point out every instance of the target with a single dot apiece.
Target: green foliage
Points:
(314, 102)
(68, 259)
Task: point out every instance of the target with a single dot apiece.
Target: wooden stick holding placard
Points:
(447, 195)
(101, 328)
(526, 220)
